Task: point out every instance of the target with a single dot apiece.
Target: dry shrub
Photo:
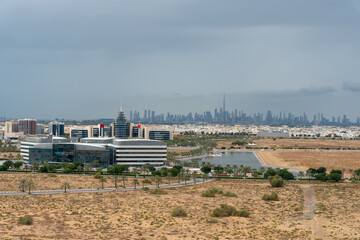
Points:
(228, 211)
(26, 220)
(229, 194)
(178, 212)
(211, 192)
(270, 197)
(158, 191)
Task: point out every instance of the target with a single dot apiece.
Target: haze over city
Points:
(77, 60)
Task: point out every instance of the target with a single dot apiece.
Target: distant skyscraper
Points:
(27, 126)
(121, 125)
(224, 110)
(56, 128)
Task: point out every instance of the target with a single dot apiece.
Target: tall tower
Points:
(224, 110)
(121, 125)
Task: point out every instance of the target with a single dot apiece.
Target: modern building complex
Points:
(103, 151)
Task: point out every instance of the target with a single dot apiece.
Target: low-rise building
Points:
(104, 151)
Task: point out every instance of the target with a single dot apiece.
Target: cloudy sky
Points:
(81, 59)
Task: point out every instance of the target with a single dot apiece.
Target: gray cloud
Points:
(351, 86)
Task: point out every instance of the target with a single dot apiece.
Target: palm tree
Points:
(102, 180)
(35, 166)
(186, 177)
(65, 186)
(29, 184)
(169, 178)
(116, 178)
(135, 181)
(205, 177)
(262, 170)
(22, 184)
(235, 168)
(254, 172)
(301, 174)
(158, 180)
(145, 181)
(26, 167)
(194, 175)
(135, 171)
(123, 179)
(246, 170)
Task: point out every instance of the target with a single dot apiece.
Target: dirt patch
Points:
(304, 160)
(296, 143)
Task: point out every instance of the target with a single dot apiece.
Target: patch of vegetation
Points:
(26, 220)
(270, 197)
(178, 212)
(146, 189)
(158, 191)
(228, 211)
(52, 175)
(276, 181)
(212, 192)
(97, 175)
(212, 220)
(229, 194)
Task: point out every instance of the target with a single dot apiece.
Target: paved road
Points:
(39, 192)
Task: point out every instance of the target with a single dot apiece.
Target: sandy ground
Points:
(140, 215)
(305, 211)
(338, 213)
(298, 143)
(304, 160)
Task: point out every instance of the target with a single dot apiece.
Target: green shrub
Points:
(158, 191)
(276, 181)
(178, 212)
(51, 175)
(229, 194)
(97, 175)
(146, 189)
(146, 181)
(227, 211)
(216, 190)
(208, 193)
(270, 197)
(243, 213)
(212, 220)
(27, 220)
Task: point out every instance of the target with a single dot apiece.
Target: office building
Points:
(159, 135)
(40, 128)
(121, 126)
(11, 126)
(79, 133)
(27, 126)
(105, 151)
(56, 128)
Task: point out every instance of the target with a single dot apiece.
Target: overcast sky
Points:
(81, 59)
